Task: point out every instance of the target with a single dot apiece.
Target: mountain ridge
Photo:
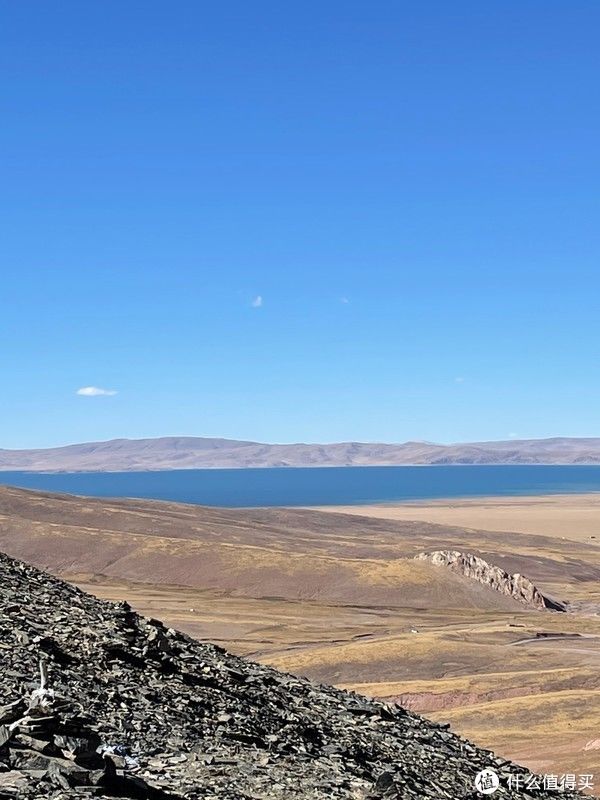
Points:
(193, 452)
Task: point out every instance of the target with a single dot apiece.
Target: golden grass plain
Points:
(334, 595)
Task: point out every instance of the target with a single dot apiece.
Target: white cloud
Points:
(95, 391)
(257, 302)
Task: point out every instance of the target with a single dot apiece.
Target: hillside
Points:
(186, 452)
(339, 599)
(290, 554)
(127, 708)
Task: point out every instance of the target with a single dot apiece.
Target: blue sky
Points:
(411, 189)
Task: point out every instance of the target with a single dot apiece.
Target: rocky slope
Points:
(127, 708)
(516, 586)
(189, 452)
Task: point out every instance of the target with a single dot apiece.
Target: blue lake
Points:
(317, 486)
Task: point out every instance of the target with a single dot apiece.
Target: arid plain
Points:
(336, 595)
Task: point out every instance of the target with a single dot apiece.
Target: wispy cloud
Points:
(95, 391)
(460, 379)
(513, 435)
(344, 300)
(257, 301)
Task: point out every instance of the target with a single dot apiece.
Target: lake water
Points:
(291, 486)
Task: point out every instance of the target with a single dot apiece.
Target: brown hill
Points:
(288, 554)
(187, 452)
(337, 598)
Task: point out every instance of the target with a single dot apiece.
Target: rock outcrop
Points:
(126, 708)
(517, 586)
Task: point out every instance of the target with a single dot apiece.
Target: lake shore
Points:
(568, 516)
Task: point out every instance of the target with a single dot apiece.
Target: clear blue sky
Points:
(411, 189)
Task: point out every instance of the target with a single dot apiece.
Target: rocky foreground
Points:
(96, 701)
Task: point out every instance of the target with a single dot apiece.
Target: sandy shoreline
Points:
(570, 516)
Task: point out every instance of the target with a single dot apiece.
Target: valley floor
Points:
(333, 594)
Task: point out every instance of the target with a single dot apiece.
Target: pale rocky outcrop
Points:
(517, 586)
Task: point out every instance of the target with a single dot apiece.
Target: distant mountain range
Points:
(189, 452)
